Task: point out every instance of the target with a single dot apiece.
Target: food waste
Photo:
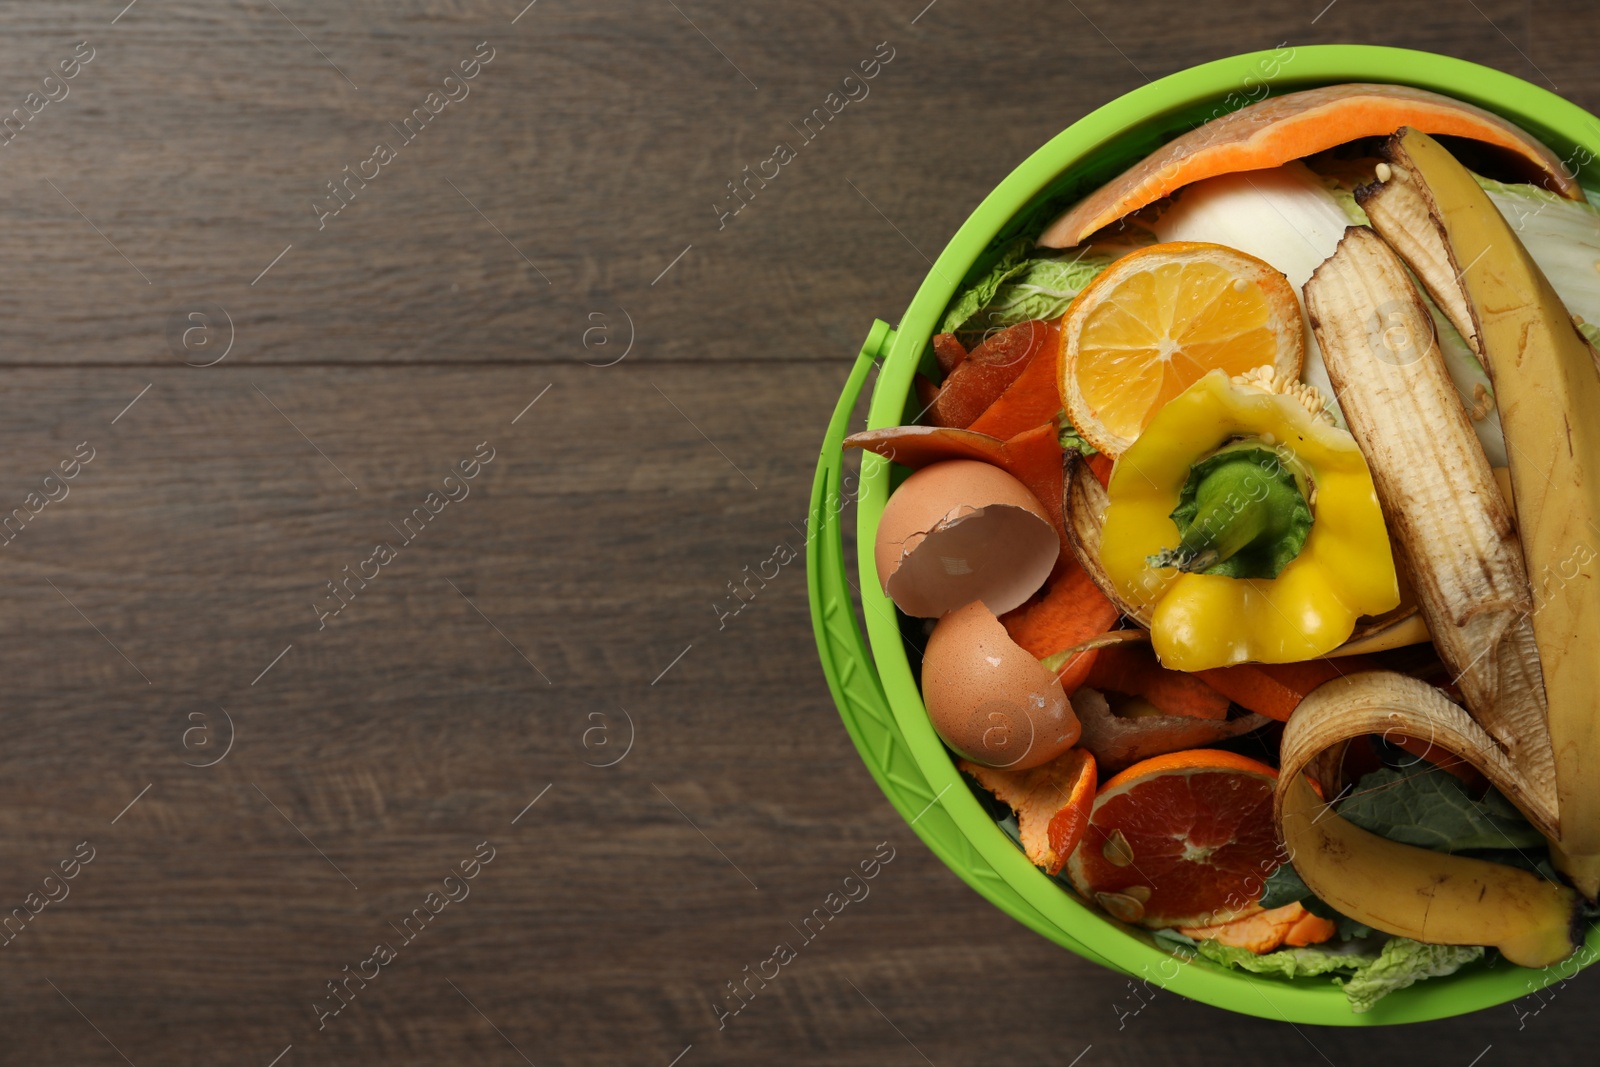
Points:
(1249, 534)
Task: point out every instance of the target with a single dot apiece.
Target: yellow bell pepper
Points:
(1343, 570)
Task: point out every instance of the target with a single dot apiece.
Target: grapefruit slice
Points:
(1157, 320)
(1184, 839)
(1280, 128)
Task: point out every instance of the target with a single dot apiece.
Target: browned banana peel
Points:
(1401, 889)
(1381, 635)
(1456, 540)
(1453, 532)
(1547, 389)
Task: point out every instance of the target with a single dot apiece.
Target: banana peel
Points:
(1515, 646)
(1409, 630)
(1456, 540)
(1547, 388)
(1453, 531)
(1401, 889)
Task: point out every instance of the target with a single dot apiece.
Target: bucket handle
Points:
(853, 677)
(847, 662)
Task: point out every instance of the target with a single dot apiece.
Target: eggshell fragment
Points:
(960, 531)
(991, 701)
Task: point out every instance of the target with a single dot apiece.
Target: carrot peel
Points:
(1132, 669)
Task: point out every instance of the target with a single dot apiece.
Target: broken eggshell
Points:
(960, 531)
(988, 698)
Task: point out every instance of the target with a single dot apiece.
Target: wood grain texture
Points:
(588, 559)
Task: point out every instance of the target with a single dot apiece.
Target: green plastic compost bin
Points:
(874, 687)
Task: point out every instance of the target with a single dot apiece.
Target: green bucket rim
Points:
(962, 833)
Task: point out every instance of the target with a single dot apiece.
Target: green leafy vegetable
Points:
(1292, 962)
(1349, 929)
(1042, 289)
(1368, 975)
(1432, 809)
(1284, 886)
(968, 302)
(1170, 938)
(1021, 286)
(1071, 441)
(1404, 962)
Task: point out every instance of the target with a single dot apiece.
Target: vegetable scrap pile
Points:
(1253, 527)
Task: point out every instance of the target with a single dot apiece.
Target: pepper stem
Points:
(1242, 514)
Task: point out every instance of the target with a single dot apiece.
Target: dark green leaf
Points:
(1431, 808)
(1283, 886)
(1172, 937)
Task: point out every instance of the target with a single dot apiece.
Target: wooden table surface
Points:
(540, 277)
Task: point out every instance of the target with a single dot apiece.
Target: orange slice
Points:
(1157, 320)
(1184, 839)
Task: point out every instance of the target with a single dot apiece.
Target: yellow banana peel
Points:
(1526, 666)
(1397, 888)
(1547, 389)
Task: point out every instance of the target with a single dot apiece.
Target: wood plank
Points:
(596, 144)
